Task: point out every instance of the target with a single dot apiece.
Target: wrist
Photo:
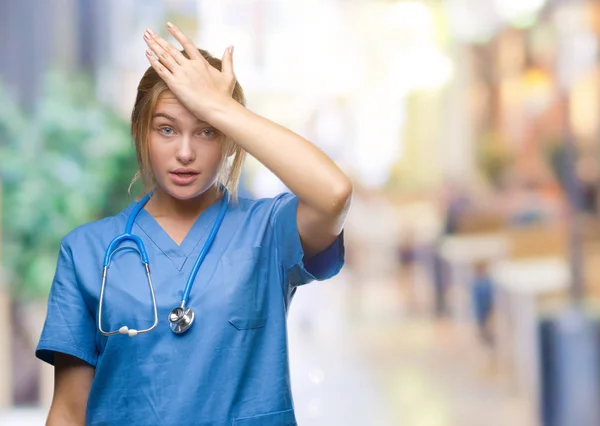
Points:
(219, 112)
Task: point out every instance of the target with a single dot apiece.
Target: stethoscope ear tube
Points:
(118, 240)
(124, 329)
(209, 241)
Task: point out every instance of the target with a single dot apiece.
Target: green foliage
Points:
(67, 163)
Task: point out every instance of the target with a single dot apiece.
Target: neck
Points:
(162, 204)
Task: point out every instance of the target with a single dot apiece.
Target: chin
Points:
(183, 193)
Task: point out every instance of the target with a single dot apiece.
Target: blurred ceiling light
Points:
(421, 67)
(537, 90)
(519, 12)
(409, 14)
(471, 20)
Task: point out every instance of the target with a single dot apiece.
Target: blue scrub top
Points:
(231, 367)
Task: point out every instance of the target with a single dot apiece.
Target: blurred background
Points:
(471, 131)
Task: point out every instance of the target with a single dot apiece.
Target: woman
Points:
(226, 363)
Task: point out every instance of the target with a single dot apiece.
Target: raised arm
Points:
(72, 382)
(323, 189)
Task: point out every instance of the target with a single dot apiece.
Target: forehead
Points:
(167, 103)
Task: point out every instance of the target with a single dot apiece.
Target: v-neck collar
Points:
(178, 254)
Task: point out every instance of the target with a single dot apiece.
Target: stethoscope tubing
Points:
(113, 248)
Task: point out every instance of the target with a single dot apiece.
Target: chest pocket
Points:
(245, 281)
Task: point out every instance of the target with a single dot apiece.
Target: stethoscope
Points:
(181, 318)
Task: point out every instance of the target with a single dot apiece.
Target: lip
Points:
(184, 170)
(183, 176)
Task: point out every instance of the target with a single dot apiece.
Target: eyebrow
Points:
(174, 119)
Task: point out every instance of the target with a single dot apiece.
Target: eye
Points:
(209, 133)
(165, 130)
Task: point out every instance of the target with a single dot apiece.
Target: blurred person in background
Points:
(407, 254)
(483, 301)
(191, 132)
(455, 205)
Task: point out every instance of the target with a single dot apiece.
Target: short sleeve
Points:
(69, 326)
(300, 271)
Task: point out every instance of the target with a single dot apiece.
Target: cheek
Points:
(211, 155)
(216, 156)
(159, 156)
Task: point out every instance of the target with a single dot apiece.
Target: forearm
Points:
(62, 416)
(302, 167)
(72, 383)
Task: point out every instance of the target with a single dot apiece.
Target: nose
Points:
(185, 151)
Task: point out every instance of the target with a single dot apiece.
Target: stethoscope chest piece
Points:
(181, 319)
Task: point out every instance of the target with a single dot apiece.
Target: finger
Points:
(186, 43)
(165, 57)
(227, 62)
(160, 69)
(168, 47)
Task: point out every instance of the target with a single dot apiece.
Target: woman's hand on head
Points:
(197, 84)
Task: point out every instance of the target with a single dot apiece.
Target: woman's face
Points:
(185, 153)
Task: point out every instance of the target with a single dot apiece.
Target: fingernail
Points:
(148, 52)
(169, 25)
(147, 35)
(150, 31)
(231, 50)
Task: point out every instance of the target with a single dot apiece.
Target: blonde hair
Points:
(149, 90)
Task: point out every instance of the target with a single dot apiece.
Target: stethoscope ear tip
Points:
(126, 330)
